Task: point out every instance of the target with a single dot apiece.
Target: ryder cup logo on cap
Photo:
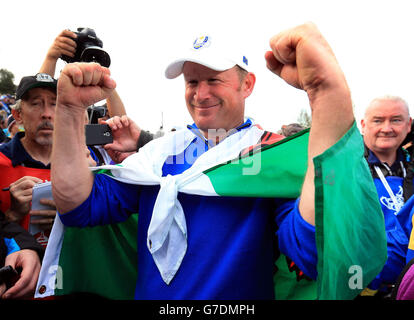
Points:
(43, 77)
(201, 42)
(216, 53)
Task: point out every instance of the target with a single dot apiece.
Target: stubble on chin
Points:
(44, 140)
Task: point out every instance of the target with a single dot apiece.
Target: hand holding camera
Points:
(64, 44)
(88, 49)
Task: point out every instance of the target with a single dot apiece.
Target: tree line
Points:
(7, 85)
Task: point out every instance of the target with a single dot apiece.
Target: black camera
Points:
(88, 49)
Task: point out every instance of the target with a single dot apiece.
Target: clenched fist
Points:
(83, 84)
(303, 58)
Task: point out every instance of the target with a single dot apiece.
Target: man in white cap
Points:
(229, 250)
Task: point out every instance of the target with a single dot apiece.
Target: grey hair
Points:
(17, 105)
(392, 98)
(389, 97)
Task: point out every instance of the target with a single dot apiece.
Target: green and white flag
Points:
(350, 232)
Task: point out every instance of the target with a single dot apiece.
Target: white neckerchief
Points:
(167, 232)
(398, 205)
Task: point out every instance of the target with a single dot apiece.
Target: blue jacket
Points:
(397, 241)
(232, 242)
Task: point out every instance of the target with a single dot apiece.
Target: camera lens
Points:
(95, 54)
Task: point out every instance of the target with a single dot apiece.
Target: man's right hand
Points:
(82, 84)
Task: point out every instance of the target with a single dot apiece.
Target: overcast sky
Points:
(372, 40)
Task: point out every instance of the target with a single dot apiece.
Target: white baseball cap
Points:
(216, 54)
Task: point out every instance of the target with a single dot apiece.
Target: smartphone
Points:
(98, 134)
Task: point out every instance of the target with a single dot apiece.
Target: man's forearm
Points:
(80, 85)
(332, 117)
(49, 66)
(303, 58)
(71, 178)
(115, 105)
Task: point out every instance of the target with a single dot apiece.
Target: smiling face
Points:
(385, 126)
(37, 113)
(215, 99)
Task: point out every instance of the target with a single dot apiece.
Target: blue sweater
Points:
(232, 242)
